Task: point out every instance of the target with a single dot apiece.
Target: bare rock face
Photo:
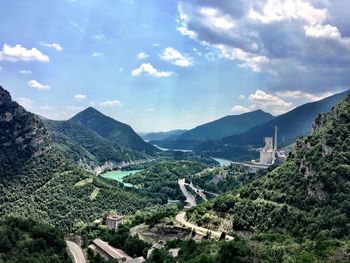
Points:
(5, 97)
(22, 134)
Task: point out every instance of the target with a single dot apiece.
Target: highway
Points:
(200, 192)
(190, 199)
(181, 219)
(76, 252)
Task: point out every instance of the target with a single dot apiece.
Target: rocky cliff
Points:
(22, 134)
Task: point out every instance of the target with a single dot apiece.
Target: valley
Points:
(73, 176)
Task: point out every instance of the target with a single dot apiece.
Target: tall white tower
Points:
(275, 147)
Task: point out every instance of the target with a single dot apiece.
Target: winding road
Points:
(76, 252)
(181, 219)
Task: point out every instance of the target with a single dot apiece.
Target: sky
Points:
(161, 65)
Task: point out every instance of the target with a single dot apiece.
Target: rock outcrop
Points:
(22, 134)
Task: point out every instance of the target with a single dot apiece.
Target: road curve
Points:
(181, 219)
(76, 252)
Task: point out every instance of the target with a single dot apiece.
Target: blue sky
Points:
(161, 65)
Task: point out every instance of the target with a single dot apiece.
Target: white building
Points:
(268, 153)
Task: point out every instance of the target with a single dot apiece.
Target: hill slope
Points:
(112, 130)
(85, 146)
(38, 181)
(215, 130)
(309, 195)
(291, 125)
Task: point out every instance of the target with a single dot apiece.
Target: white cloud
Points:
(36, 85)
(56, 46)
(25, 102)
(99, 36)
(17, 53)
(80, 96)
(151, 109)
(298, 94)
(241, 97)
(175, 57)
(25, 72)
(111, 103)
(264, 98)
(97, 54)
(238, 109)
(278, 10)
(148, 69)
(142, 55)
(252, 61)
(285, 38)
(216, 19)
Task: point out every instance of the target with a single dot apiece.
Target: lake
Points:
(223, 162)
(119, 175)
(176, 150)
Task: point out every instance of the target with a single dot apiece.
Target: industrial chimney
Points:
(275, 147)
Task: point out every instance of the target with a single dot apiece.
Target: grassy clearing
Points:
(84, 182)
(94, 193)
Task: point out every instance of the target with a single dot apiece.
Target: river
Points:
(119, 175)
(223, 162)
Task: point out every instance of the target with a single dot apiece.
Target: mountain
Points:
(112, 130)
(309, 195)
(157, 136)
(215, 130)
(38, 180)
(22, 135)
(291, 125)
(85, 146)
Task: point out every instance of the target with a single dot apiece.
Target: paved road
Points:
(76, 252)
(200, 192)
(181, 219)
(190, 199)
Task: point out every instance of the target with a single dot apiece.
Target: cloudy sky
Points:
(161, 65)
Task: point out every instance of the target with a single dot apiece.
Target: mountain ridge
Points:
(112, 130)
(217, 129)
(291, 125)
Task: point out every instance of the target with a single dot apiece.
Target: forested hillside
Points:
(38, 181)
(113, 130)
(307, 196)
(25, 241)
(85, 146)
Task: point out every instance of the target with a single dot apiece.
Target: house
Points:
(113, 221)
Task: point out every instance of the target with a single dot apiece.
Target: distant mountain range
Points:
(158, 136)
(228, 125)
(291, 125)
(235, 137)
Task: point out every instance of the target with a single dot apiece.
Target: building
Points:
(269, 152)
(108, 252)
(113, 221)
